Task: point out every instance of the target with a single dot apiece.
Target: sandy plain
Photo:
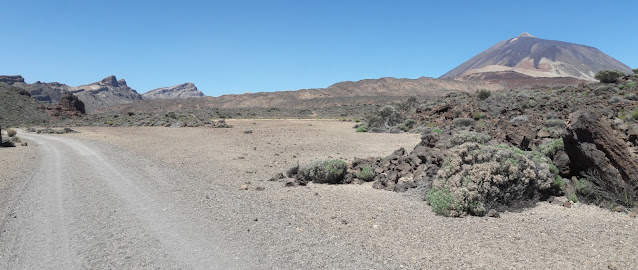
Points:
(350, 226)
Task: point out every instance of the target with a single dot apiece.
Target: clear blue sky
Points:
(229, 47)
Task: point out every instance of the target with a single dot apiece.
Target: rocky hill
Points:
(104, 93)
(185, 90)
(536, 57)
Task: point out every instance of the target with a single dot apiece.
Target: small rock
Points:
(613, 266)
(290, 184)
(243, 187)
(277, 177)
(567, 204)
(576, 205)
(248, 131)
(24, 144)
(618, 208)
(493, 213)
(633, 214)
(344, 222)
(260, 188)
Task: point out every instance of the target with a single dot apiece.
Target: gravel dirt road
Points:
(170, 198)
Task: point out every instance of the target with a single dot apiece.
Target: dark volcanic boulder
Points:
(594, 147)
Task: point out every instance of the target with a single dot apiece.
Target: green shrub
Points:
(478, 115)
(329, 172)
(572, 197)
(11, 132)
(441, 201)
(483, 94)
(463, 122)
(609, 76)
(557, 123)
(635, 70)
(559, 182)
(367, 174)
(463, 137)
(386, 117)
(407, 125)
(476, 178)
(363, 128)
(292, 171)
(630, 84)
(550, 149)
(634, 114)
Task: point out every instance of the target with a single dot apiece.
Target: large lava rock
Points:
(593, 146)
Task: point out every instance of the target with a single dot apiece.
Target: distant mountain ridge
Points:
(104, 93)
(536, 57)
(184, 90)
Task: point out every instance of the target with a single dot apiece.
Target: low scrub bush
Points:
(475, 178)
(11, 132)
(386, 117)
(483, 94)
(464, 137)
(366, 174)
(329, 172)
(551, 149)
(463, 122)
(609, 76)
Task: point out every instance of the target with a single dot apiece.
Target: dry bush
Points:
(475, 178)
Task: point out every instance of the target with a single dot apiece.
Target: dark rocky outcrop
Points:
(592, 144)
(71, 102)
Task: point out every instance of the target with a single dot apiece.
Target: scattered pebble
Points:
(243, 187)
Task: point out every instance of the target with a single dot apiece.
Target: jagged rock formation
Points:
(536, 57)
(185, 90)
(104, 93)
(107, 92)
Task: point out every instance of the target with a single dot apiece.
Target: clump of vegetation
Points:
(384, 118)
(362, 128)
(609, 76)
(328, 172)
(463, 122)
(441, 201)
(606, 190)
(483, 94)
(292, 171)
(475, 178)
(407, 125)
(11, 132)
(551, 149)
(464, 137)
(366, 174)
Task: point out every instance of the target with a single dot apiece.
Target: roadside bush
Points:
(366, 174)
(476, 178)
(483, 94)
(328, 172)
(11, 132)
(464, 137)
(609, 76)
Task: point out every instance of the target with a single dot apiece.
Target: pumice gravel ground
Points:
(170, 198)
